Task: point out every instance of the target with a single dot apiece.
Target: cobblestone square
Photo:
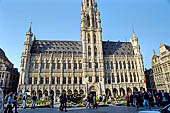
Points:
(110, 109)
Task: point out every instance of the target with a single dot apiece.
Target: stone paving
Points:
(110, 109)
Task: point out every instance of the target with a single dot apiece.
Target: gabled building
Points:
(161, 68)
(90, 65)
(9, 76)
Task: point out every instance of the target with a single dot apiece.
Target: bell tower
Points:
(91, 37)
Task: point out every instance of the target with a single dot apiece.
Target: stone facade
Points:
(9, 76)
(161, 68)
(81, 67)
(150, 81)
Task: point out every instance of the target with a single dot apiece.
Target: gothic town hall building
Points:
(82, 67)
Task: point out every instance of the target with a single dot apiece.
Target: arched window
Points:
(126, 78)
(113, 78)
(116, 65)
(129, 65)
(124, 64)
(95, 51)
(89, 51)
(131, 77)
(122, 79)
(118, 80)
(88, 36)
(132, 65)
(120, 64)
(94, 36)
(87, 3)
(134, 75)
(108, 65)
(88, 20)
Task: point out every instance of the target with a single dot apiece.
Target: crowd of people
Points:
(137, 99)
(147, 99)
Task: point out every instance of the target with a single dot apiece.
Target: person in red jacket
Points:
(128, 100)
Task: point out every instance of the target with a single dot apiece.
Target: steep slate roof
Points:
(117, 48)
(69, 47)
(46, 46)
(2, 54)
(167, 47)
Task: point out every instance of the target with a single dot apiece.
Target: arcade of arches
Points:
(108, 92)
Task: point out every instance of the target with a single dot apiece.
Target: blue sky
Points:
(60, 20)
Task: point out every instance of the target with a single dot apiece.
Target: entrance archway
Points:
(81, 92)
(33, 92)
(129, 91)
(122, 92)
(46, 93)
(69, 92)
(39, 93)
(93, 90)
(115, 92)
(135, 90)
(108, 92)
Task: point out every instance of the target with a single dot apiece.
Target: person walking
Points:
(131, 99)
(24, 101)
(88, 105)
(150, 99)
(65, 102)
(146, 98)
(169, 97)
(15, 102)
(128, 100)
(94, 102)
(52, 100)
(9, 103)
(134, 99)
(34, 98)
(164, 98)
(61, 103)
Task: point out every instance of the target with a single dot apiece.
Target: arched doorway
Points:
(81, 92)
(141, 89)
(122, 92)
(39, 93)
(129, 91)
(33, 92)
(115, 92)
(45, 93)
(69, 92)
(108, 92)
(63, 91)
(135, 90)
(93, 90)
(57, 93)
(52, 92)
(75, 92)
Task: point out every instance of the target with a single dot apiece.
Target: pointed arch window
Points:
(94, 36)
(89, 51)
(88, 20)
(88, 35)
(132, 65)
(122, 79)
(118, 80)
(95, 51)
(131, 77)
(113, 78)
(124, 64)
(134, 75)
(87, 3)
(120, 64)
(129, 65)
(126, 78)
(116, 65)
